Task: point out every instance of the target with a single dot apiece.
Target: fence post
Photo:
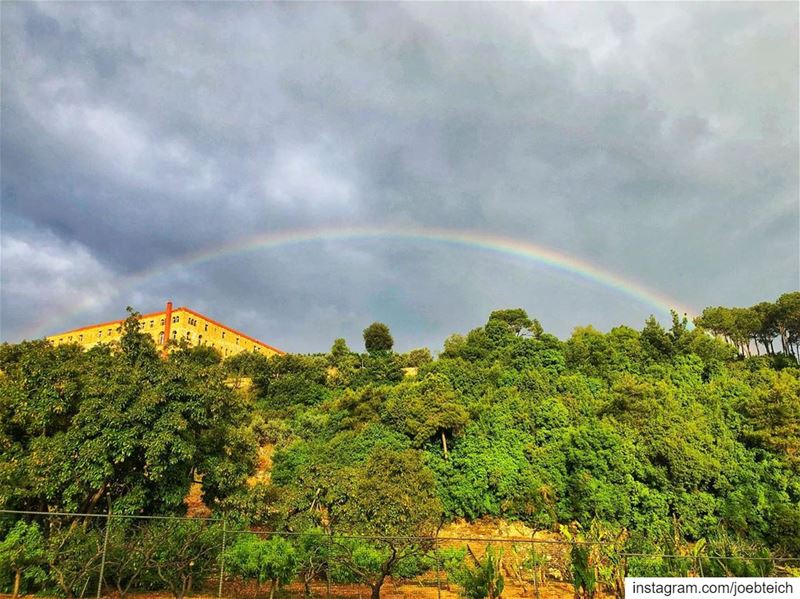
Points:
(222, 558)
(328, 563)
(103, 557)
(438, 577)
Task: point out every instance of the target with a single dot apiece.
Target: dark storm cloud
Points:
(656, 140)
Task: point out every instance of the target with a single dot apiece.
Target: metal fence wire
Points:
(77, 555)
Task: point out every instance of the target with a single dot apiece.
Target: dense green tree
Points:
(202, 355)
(766, 316)
(417, 358)
(678, 441)
(117, 424)
(516, 318)
(187, 553)
(246, 364)
(287, 382)
(426, 409)
(339, 350)
(656, 342)
(788, 322)
(22, 556)
(263, 560)
(379, 368)
(453, 346)
(391, 494)
(377, 338)
(481, 580)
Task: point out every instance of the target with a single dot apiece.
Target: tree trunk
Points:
(272, 588)
(376, 588)
(387, 567)
(444, 445)
(17, 581)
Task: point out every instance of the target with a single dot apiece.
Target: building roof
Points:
(179, 309)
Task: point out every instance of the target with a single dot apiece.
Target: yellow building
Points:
(174, 325)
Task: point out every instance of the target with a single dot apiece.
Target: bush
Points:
(482, 580)
(273, 560)
(187, 553)
(22, 558)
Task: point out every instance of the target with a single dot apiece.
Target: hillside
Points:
(626, 447)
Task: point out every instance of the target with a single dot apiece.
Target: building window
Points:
(237, 341)
(188, 334)
(99, 334)
(223, 334)
(152, 322)
(175, 335)
(163, 320)
(199, 340)
(205, 328)
(80, 337)
(161, 338)
(176, 319)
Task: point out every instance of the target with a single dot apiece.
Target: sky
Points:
(657, 142)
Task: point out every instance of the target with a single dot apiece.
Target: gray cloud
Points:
(659, 141)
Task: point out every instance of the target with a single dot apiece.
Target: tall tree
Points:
(117, 424)
(516, 318)
(767, 329)
(391, 495)
(377, 338)
(788, 321)
(426, 409)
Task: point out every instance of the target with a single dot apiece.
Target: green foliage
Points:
(339, 350)
(22, 558)
(130, 563)
(391, 494)
(372, 492)
(426, 410)
(482, 579)
(380, 368)
(285, 383)
(273, 560)
(202, 355)
(377, 338)
(73, 557)
(759, 324)
(417, 358)
(583, 576)
(246, 364)
(186, 553)
(673, 440)
(119, 423)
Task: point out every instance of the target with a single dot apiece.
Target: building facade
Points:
(172, 324)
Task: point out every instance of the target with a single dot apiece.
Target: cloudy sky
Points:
(658, 142)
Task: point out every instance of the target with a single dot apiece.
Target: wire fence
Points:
(80, 555)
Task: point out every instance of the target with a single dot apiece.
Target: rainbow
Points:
(509, 246)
